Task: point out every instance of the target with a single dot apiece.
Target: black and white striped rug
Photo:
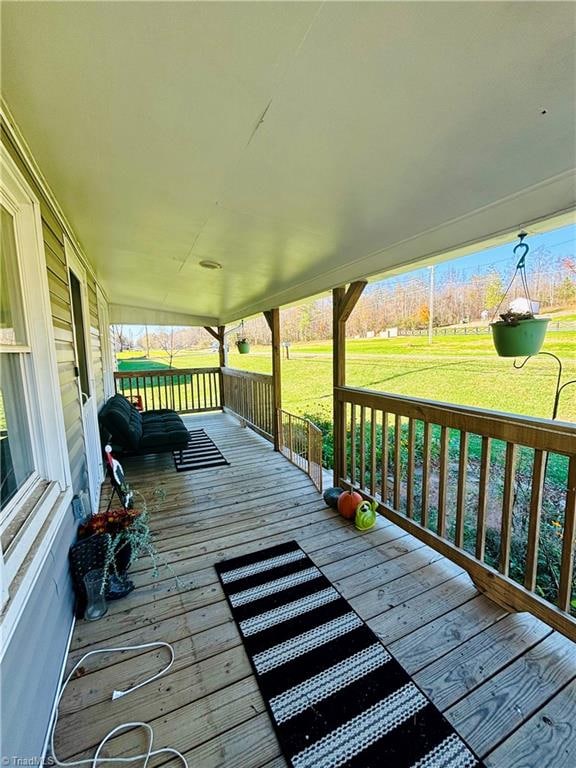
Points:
(200, 453)
(335, 694)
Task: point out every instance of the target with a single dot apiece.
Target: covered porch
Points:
(504, 680)
(200, 163)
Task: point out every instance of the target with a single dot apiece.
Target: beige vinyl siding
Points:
(32, 661)
(58, 285)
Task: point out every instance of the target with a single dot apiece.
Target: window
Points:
(35, 472)
(17, 461)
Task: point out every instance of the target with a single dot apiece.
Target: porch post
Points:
(222, 355)
(273, 319)
(343, 302)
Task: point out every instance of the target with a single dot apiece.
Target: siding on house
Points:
(32, 662)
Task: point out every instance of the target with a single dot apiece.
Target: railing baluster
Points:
(443, 480)
(567, 559)
(373, 452)
(410, 470)
(483, 497)
(507, 507)
(309, 446)
(397, 461)
(461, 493)
(362, 447)
(425, 474)
(384, 492)
(290, 436)
(198, 396)
(353, 444)
(538, 469)
(343, 439)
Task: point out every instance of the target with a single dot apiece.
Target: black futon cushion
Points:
(163, 428)
(150, 432)
(123, 422)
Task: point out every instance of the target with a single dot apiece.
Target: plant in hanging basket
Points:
(243, 346)
(518, 334)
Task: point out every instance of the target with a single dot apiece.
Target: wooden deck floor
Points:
(506, 682)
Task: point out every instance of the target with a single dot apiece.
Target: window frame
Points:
(51, 478)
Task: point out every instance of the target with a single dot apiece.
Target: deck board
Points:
(465, 651)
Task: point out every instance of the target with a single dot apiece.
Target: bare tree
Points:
(121, 338)
(171, 342)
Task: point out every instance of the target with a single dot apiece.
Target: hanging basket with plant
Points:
(519, 332)
(242, 342)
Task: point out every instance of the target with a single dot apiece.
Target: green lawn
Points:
(457, 369)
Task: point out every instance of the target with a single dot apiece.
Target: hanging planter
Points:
(241, 341)
(519, 333)
(243, 346)
(519, 336)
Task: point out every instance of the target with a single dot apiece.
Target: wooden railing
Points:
(301, 442)
(186, 390)
(250, 396)
(494, 492)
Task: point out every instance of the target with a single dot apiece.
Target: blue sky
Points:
(558, 242)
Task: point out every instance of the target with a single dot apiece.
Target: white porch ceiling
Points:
(301, 145)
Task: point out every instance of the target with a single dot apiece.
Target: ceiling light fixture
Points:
(208, 264)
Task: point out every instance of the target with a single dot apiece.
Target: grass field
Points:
(458, 369)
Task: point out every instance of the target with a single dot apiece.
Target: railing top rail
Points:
(544, 434)
(303, 419)
(163, 372)
(240, 374)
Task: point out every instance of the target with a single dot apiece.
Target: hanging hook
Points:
(525, 248)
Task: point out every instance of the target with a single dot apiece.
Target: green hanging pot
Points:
(243, 347)
(520, 339)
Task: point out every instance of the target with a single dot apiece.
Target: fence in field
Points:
(301, 442)
(186, 390)
(476, 330)
(494, 492)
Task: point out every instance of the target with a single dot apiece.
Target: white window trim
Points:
(105, 343)
(49, 438)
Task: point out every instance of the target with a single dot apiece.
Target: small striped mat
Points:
(200, 453)
(335, 694)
